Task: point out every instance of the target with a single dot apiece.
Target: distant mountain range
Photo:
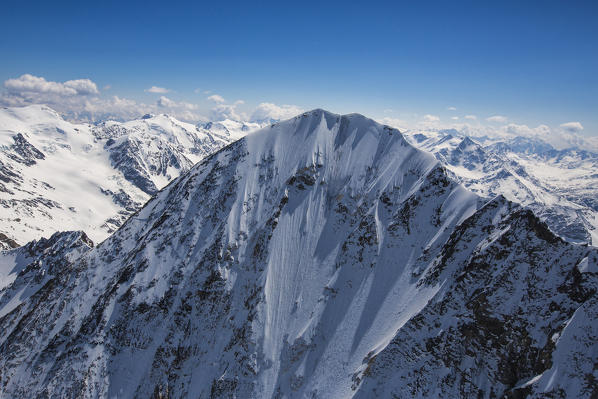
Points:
(560, 186)
(57, 175)
(319, 257)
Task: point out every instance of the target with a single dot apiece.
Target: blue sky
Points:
(532, 62)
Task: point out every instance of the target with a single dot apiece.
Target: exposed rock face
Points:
(23, 152)
(7, 243)
(506, 311)
(321, 257)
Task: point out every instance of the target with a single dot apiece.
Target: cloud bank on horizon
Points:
(81, 100)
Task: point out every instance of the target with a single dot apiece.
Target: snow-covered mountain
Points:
(321, 257)
(57, 175)
(560, 186)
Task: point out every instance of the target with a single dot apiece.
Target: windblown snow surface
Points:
(321, 257)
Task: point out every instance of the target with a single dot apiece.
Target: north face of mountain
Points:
(323, 256)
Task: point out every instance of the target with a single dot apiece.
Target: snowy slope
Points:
(561, 186)
(56, 175)
(322, 257)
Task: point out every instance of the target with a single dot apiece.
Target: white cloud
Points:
(197, 91)
(267, 111)
(179, 109)
(216, 98)
(451, 108)
(156, 89)
(222, 110)
(497, 119)
(572, 127)
(563, 136)
(227, 111)
(82, 87)
(81, 100)
(95, 109)
(394, 122)
(541, 131)
(165, 102)
(558, 137)
(29, 85)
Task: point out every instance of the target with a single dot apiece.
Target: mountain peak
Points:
(467, 144)
(321, 256)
